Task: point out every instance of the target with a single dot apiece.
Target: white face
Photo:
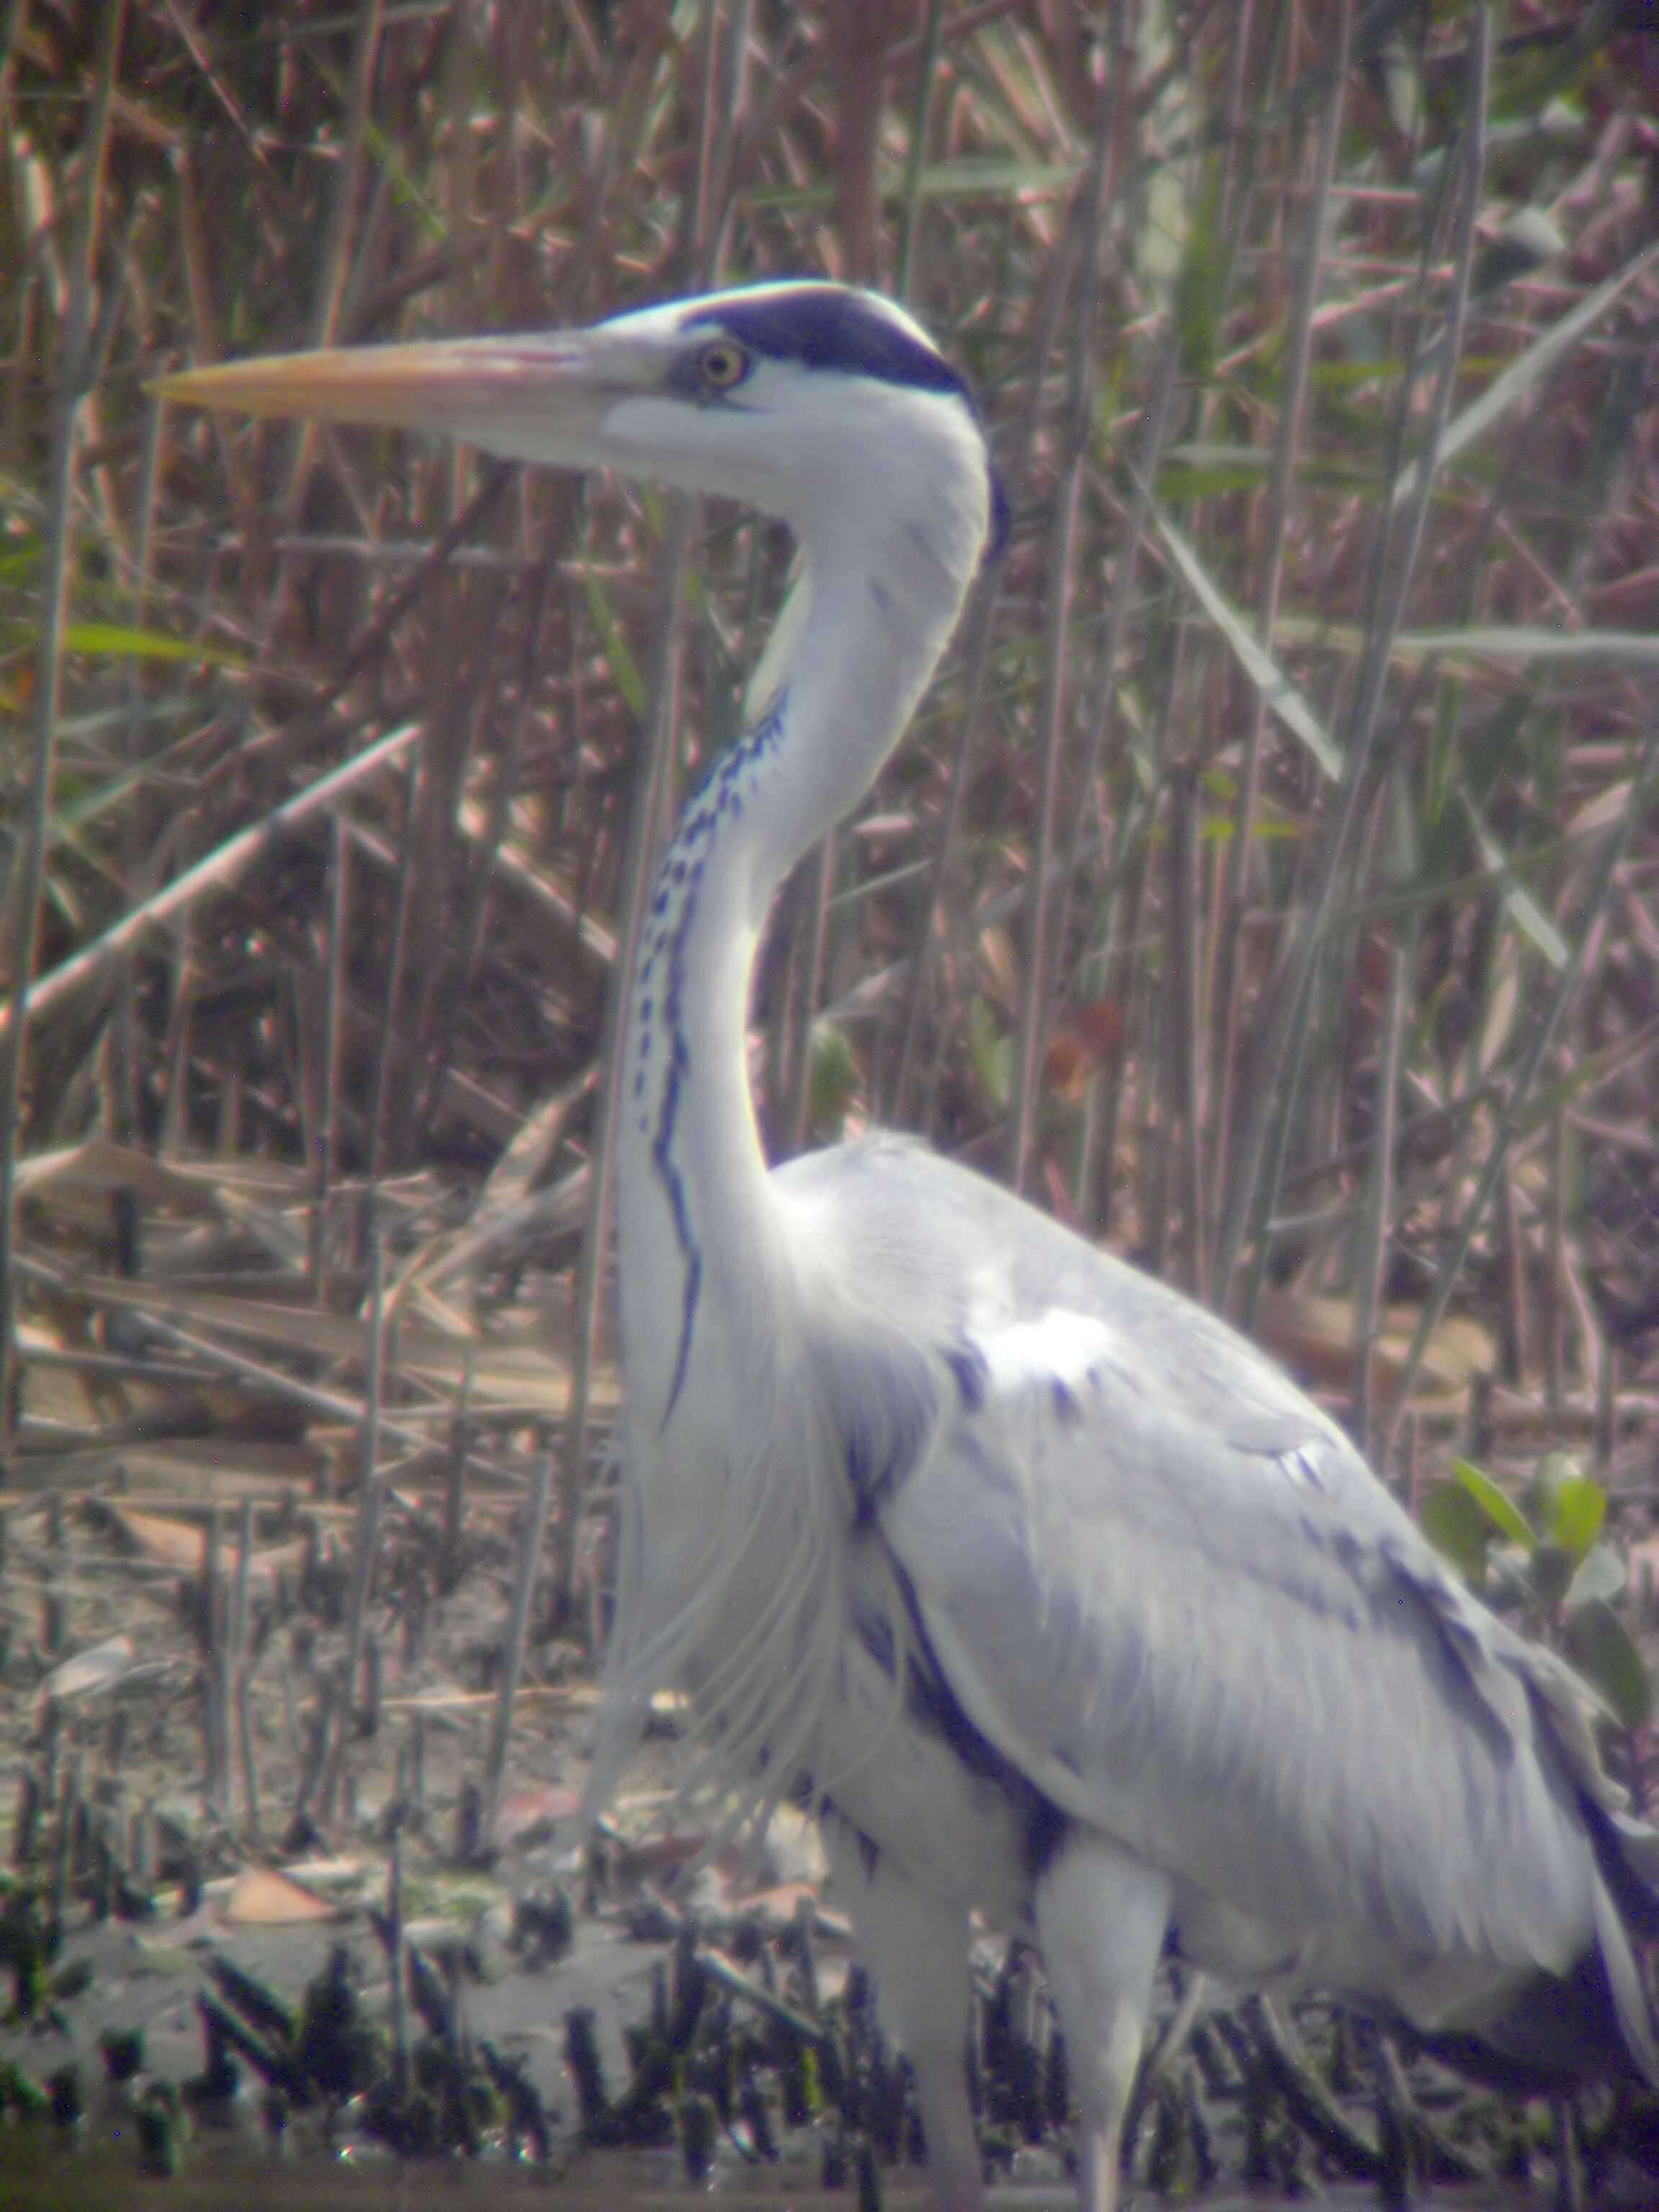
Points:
(806, 435)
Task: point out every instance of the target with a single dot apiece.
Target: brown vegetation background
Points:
(1268, 887)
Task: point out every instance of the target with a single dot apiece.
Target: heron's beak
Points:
(530, 398)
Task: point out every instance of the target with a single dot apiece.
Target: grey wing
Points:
(1164, 1586)
(1217, 1639)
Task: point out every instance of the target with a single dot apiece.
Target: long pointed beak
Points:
(527, 397)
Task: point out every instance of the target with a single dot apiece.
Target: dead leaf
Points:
(169, 1543)
(660, 1857)
(1082, 1041)
(98, 1167)
(181, 1545)
(524, 1814)
(779, 1905)
(1314, 1336)
(263, 1898)
(91, 1673)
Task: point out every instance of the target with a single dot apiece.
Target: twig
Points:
(75, 372)
(217, 869)
(515, 1641)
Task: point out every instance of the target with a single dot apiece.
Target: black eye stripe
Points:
(823, 327)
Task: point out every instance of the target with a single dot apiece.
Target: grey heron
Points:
(1064, 1603)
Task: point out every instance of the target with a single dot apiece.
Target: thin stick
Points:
(1086, 220)
(1287, 443)
(371, 1499)
(216, 1670)
(76, 371)
(1520, 1103)
(218, 869)
(905, 270)
(515, 1641)
(1371, 1242)
(1261, 1158)
(396, 968)
(240, 1669)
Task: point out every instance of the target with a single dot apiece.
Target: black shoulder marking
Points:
(827, 326)
(1046, 1830)
(967, 1363)
(875, 1633)
(869, 1851)
(892, 1399)
(932, 1704)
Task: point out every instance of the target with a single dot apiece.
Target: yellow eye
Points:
(723, 363)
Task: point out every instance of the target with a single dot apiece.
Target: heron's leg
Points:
(1101, 1916)
(916, 1947)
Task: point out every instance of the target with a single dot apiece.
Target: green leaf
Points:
(1555, 1468)
(1279, 695)
(114, 641)
(1550, 1571)
(1528, 372)
(1499, 1507)
(1580, 1507)
(969, 177)
(1512, 645)
(1522, 909)
(1458, 1529)
(990, 177)
(1605, 1656)
(993, 1053)
(834, 1078)
(1217, 828)
(1177, 481)
(1602, 1576)
(619, 661)
(1200, 285)
(1199, 468)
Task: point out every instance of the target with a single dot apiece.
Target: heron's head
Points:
(810, 401)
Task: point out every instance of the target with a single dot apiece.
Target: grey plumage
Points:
(1068, 1607)
(1164, 1586)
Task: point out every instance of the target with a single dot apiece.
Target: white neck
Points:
(702, 1260)
(729, 1560)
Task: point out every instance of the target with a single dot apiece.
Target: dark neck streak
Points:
(708, 1276)
(660, 1030)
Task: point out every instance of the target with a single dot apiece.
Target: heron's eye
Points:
(723, 363)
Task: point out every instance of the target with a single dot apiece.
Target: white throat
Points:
(877, 598)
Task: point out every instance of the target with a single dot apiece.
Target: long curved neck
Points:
(703, 1257)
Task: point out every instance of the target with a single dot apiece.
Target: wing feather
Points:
(1202, 1648)
(1166, 1589)
(1162, 1583)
